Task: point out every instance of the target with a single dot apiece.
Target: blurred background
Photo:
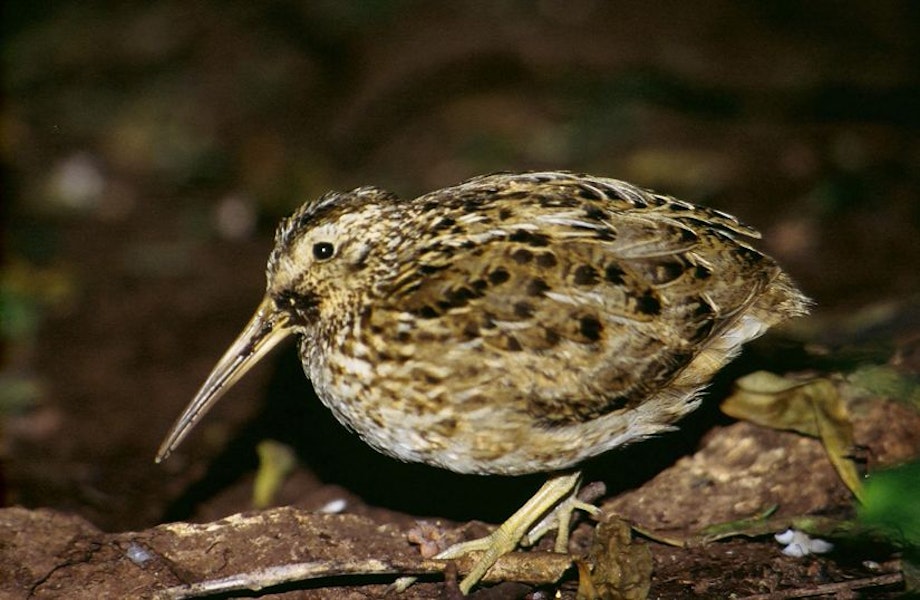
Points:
(148, 150)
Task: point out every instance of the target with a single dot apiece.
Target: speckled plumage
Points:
(514, 323)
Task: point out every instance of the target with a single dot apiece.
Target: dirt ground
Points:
(148, 152)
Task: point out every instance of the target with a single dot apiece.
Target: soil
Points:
(148, 152)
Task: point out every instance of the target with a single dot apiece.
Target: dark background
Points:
(148, 151)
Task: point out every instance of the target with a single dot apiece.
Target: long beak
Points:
(263, 332)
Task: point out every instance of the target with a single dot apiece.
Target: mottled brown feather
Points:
(514, 323)
(485, 326)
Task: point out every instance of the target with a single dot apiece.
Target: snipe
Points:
(515, 323)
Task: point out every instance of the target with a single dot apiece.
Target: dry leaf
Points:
(622, 566)
(812, 407)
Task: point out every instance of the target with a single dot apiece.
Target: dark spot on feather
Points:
(536, 287)
(444, 223)
(458, 297)
(594, 213)
(589, 193)
(613, 192)
(648, 303)
(499, 276)
(427, 312)
(591, 328)
(523, 309)
(614, 274)
(403, 336)
(687, 235)
(531, 239)
(701, 272)
(586, 275)
(703, 308)
(431, 269)
(430, 206)
(522, 256)
(547, 260)
(667, 271)
(468, 294)
(479, 285)
(513, 344)
(505, 213)
(552, 336)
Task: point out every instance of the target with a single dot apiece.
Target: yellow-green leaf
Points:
(276, 462)
(811, 407)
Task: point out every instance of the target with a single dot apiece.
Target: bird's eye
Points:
(323, 250)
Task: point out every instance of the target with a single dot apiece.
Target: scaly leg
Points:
(560, 520)
(558, 491)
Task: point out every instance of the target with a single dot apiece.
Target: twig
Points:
(532, 567)
(830, 588)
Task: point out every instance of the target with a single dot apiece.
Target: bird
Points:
(514, 323)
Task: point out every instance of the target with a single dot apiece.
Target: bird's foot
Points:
(557, 495)
(560, 518)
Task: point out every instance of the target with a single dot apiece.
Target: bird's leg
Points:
(559, 492)
(560, 520)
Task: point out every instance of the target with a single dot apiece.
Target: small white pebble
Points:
(138, 554)
(334, 507)
(871, 565)
(799, 543)
(785, 537)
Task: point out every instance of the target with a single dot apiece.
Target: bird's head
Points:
(328, 255)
